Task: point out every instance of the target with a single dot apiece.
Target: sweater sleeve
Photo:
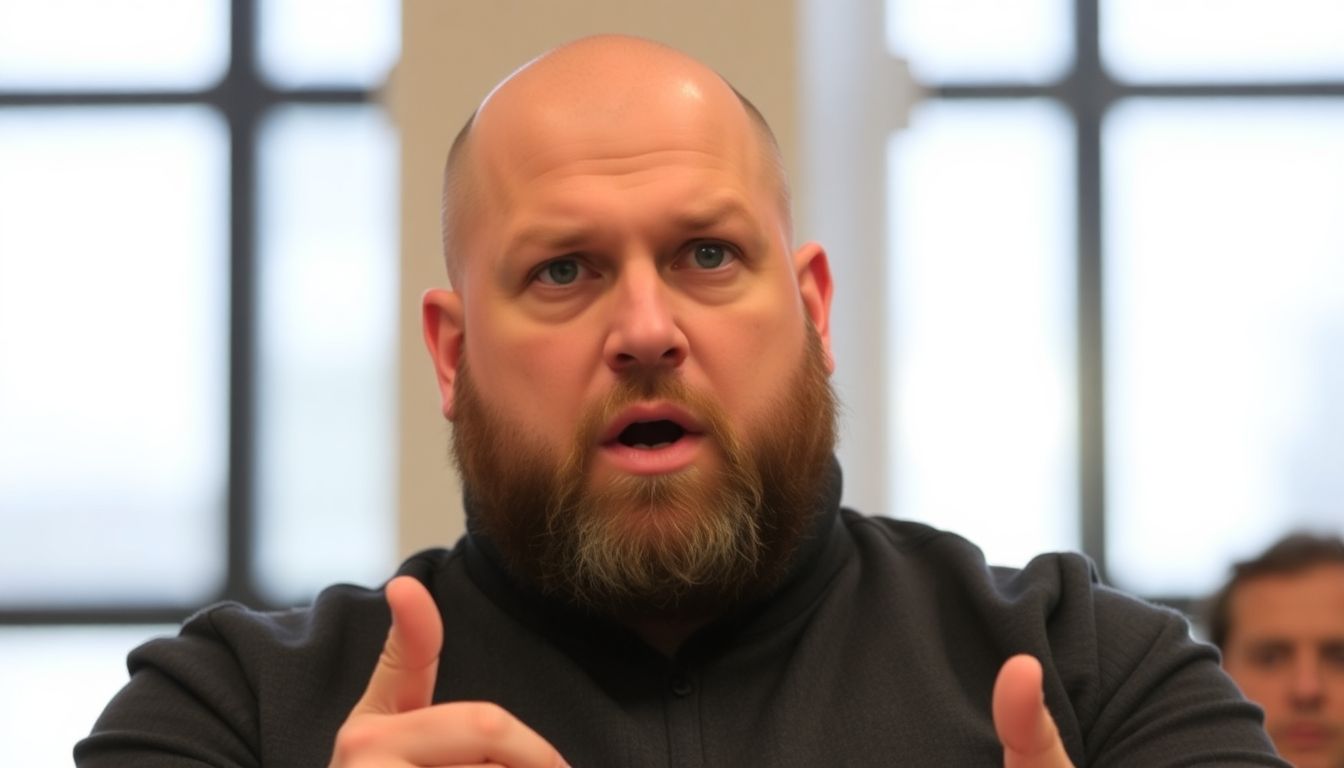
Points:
(1157, 697)
(240, 688)
(188, 703)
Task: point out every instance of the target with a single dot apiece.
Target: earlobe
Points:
(441, 318)
(814, 286)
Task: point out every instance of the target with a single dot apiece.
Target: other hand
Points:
(1027, 731)
(395, 723)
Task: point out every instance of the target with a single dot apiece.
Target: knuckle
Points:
(490, 721)
(357, 736)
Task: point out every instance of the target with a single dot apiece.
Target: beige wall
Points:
(453, 52)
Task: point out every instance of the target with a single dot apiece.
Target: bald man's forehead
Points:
(602, 102)
(599, 121)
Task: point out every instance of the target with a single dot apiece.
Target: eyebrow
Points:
(1269, 644)
(713, 212)
(550, 237)
(563, 237)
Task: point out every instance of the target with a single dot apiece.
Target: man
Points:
(657, 571)
(1280, 624)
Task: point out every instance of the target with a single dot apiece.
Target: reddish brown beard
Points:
(687, 543)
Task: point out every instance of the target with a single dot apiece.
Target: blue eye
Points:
(710, 255)
(559, 272)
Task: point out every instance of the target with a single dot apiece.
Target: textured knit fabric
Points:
(880, 650)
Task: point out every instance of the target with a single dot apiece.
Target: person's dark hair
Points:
(1292, 554)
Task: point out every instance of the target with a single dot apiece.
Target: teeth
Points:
(647, 447)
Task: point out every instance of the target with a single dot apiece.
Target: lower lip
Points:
(1306, 739)
(665, 459)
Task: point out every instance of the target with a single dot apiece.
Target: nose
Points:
(643, 331)
(1308, 689)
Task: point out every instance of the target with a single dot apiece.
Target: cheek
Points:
(1335, 702)
(748, 359)
(538, 376)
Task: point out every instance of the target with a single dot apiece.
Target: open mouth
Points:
(652, 439)
(650, 435)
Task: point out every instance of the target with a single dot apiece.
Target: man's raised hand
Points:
(1027, 731)
(395, 722)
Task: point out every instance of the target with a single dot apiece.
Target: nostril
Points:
(670, 357)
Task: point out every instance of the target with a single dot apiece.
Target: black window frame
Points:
(1087, 92)
(244, 98)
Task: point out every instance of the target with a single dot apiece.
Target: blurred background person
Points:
(1280, 624)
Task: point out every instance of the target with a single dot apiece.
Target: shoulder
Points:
(1054, 601)
(342, 620)
(201, 694)
(1048, 583)
(1124, 678)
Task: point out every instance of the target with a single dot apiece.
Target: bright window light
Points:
(328, 42)
(1223, 40)
(105, 44)
(1225, 318)
(982, 40)
(981, 321)
(326, 388)
(113, 354)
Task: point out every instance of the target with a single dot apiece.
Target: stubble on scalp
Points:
(688, 543)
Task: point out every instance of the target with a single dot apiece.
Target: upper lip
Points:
(649, 412)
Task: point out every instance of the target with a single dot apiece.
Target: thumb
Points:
(1027, 731)
(403, 679)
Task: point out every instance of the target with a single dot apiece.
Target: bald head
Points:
(589, 91)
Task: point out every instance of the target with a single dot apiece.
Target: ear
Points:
(814, 286)
(441, 316)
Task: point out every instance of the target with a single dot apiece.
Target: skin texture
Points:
(609, 184)
(596, 174)
(1286, 651)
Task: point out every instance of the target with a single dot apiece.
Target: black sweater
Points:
(880, 650)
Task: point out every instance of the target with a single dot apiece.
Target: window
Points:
(1117, 280)
(198, 279)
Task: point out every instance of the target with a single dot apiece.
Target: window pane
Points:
(55, 681)
(982, 40)
(326, 378)
(104, 44)
(1223, 40)
(981, 317)
(320, 42)
(113, 354)
(1225, 318)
